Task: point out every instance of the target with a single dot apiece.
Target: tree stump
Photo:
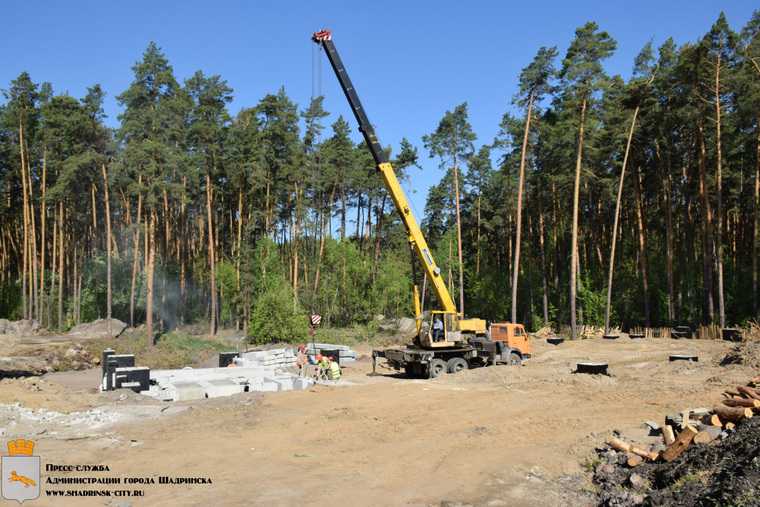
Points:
(684, 357)
(591, 368)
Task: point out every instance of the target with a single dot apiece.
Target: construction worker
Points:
(437, 329)
(301, 360)
(333, 370)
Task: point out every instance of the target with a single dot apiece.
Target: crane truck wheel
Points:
(515, 359)
(436, 368)
(456, 364)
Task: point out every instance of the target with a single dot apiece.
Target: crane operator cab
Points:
(440, 329)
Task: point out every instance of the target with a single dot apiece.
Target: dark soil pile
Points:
(724, 473)
(746, 353)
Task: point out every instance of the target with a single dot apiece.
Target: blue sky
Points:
(410, 61)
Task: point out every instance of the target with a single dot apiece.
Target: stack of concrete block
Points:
(273, 358)
(346, 355)
(198, 383)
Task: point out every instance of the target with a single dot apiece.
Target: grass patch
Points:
(176, 349)
(701, 477)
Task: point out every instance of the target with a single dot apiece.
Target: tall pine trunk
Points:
(520, 185)
(708, 309)
(642, 242)
(43, 226)
(107, 206)
(150, 243)
(25, 300)
(60, 264)
(135, 256)
(459, 240)
(576, 204)
(756, 224)
(719, 192)
(211, 257)
(616, 221)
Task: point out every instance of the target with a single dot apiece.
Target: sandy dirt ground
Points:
(491, 436)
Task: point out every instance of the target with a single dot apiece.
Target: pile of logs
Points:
(696, 426)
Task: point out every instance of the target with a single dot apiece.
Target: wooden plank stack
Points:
(698, 426)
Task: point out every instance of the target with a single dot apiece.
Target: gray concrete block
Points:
(183, 391)
(301, 383)
(269, 386)
(219, 388)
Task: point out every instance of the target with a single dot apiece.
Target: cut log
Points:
(684, 418)
(712, 420)
(742, 402)
(667, 434)
(681, 443)
(707, 435)
(729, 394)
(634, 460)
(730, 426)
(733, 414)
(618, 444)
(649, 455)
(748, 392)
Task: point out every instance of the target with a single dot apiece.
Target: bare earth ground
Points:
(492, 436)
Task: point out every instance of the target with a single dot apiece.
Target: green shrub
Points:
(275, 318)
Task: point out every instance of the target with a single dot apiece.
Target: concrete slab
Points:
(219, 388)
(183, 391)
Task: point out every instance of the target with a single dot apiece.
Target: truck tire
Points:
(436, 368)
(456, 364)
(515, 359)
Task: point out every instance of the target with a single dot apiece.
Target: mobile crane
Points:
(445, 340)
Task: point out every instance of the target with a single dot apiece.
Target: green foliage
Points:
(275, 316)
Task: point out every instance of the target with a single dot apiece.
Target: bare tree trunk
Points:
(294, 242)
(43, 226)
(544, 275)
(135, 256)
(520, 185)
(150, 243)
(107, 206)
(756, 225)
(25, 300)
(576, 205)
(239, 238)
(35, 288)
(60, 264)
(668, 179)
(54, 274)
(477, 238)
(167, 224)
(708, 309)
(211, 259)
(641, 222)
(459, 240)
(719, 191)
(615, 227)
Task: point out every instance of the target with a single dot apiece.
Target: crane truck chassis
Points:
(505, 343)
